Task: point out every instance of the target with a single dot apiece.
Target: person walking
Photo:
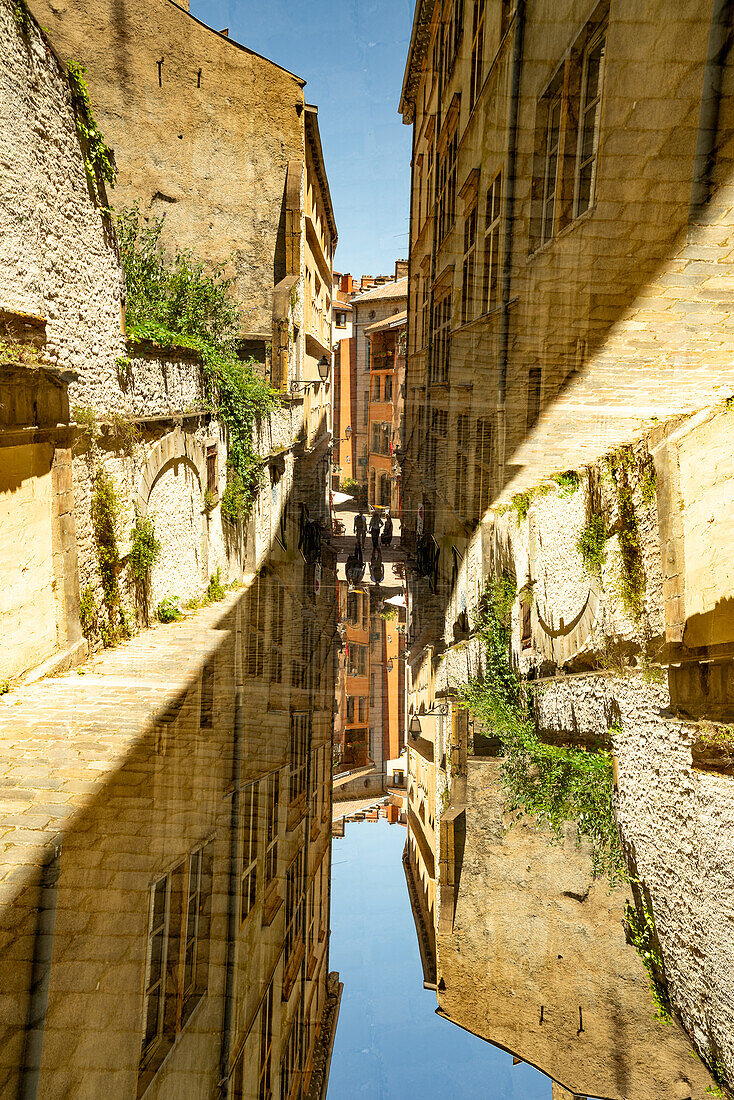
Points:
(375, 525)
(377, 570)
(360, 527)
(387, 530)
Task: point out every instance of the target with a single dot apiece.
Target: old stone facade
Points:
(569, 369)
(166, 806)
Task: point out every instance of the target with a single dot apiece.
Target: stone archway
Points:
(171, 491)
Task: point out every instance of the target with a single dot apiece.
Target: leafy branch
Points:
(183, 302)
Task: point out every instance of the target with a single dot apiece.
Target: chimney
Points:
(401, 269)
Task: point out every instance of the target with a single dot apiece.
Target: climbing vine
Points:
(99, 160)
(632, 588)
(552, 783)
(183, 302)
(22, 17)
(592, 545)
(105, 516)
(643, 937)
(145, 550)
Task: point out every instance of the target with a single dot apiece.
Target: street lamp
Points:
(390, 666)
(323, 367)
(348, 433)
(439, 708)
(414, 726)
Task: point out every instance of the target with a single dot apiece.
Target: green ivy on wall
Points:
(183, 302)
(99, 160)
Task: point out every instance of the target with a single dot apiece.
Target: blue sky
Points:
(390, 1044)
(352, 53)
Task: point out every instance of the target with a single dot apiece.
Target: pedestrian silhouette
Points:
(375, 525)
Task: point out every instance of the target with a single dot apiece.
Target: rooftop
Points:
(397, 288)
(396, 321)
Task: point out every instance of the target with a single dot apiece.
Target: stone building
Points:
(569, 371)
(386, 299)
(166, 806)
(385, 418)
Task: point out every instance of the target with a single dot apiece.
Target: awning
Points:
(341, 498)
(399, 600)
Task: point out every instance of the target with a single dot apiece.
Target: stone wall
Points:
(600, 673)
(204, 138)
(537, 962)
(58, 260)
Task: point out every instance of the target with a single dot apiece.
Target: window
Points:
(425, 313)
(534, 386)
(278, 616)
(177, 956)
(350, 709)
(376, 388)
(385, 490)
(341, 319)
(441, 337)
(452, 32)
(299, 747)
(483, 466)
(157, 958)
(551, 167)
(206, 716)
(362, 708)
(477, 52)
(249, 816)
(256, 638)
(294, 906)
(211, 469)
(357, 660)
(447, 185)
(291, 1064)
(264, 1086)
(467, 279)
(568, 123)
(376, 438)
(589, 122)
(436, 439)
(492, 230)
(388, 388)
(429, 179)
(353, 607)
(272, 808)
(462, 464)
(193, 925)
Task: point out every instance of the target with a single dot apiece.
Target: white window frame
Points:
(585, 109)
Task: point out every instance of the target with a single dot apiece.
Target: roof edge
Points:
(312, 132)
(416, 52)
(238, 45)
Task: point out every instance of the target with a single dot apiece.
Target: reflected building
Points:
(569, 349)
(166, 793)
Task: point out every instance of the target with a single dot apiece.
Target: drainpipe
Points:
(708, 119)
(509, 222)
(234, 819)
(43, 945)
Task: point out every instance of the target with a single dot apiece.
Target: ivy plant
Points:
(99, 160)
(552, 783)
(181, 301)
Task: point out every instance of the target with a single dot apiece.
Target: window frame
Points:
(492, 244)
(250, 836)
(468, 265)
(597, 39)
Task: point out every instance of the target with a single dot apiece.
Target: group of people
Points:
(379, 528)
(376, 526)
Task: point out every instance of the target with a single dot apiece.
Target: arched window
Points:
(385, 491)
